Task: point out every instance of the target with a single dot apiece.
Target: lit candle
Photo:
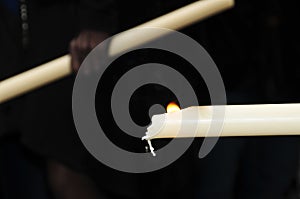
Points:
(239, 120)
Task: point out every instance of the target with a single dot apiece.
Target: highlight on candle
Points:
(172, 107)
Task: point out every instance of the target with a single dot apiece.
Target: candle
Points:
(239, 120)
(175, 20)
(35, 78)
(59, 68)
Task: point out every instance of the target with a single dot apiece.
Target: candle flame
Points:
(172, 107)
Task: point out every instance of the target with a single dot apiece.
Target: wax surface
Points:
(59, 68)
(239, 120)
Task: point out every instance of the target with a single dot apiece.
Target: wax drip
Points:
(151, 147)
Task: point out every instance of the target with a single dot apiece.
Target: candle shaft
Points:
(35, 78)
(239, 120)
(175, 20)
(59, 68)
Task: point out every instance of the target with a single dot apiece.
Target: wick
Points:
(151, 147)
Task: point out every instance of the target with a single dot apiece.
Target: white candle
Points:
(35, 78)
(59, 68)
(239, 120)
(175, 20)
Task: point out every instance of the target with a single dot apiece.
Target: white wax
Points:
(35, 78)
(175, 20)
(59, 68)
(239, 120)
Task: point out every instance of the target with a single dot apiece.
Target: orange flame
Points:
(172, 107)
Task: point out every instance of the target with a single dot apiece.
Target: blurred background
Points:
(255, 46)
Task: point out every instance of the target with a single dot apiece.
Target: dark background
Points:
(255, 46)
